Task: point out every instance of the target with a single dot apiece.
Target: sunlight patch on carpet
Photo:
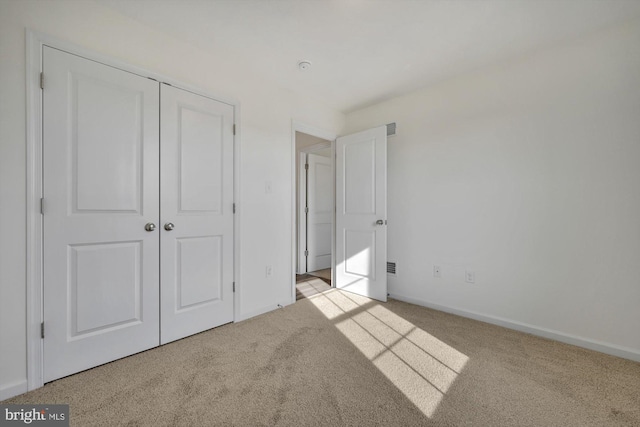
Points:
(421, 366)
(312, 287)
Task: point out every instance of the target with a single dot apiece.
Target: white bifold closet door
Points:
(196, 262)
(113, 267)
(100, 179)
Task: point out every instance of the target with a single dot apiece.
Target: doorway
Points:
(357, 208)
(315, 207)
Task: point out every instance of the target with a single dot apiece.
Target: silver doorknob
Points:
(150, 226)
(168, 226)
(379, 222)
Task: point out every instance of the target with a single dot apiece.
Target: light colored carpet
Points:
(336, 359)
(309, 285)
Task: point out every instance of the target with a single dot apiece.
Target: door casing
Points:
(34, 242)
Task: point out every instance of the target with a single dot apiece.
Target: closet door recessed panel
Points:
(201, 153)
(107, 138)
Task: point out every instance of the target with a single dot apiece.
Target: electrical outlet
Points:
(268, 271)
(436, 271)
(470, 276)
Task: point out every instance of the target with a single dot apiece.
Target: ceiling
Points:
(365, 51)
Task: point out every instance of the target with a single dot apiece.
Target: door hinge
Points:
(306, 253)
(42, 205)
(42, 330)
(234, 286)
(306, 209)
(306, 166)
(234, 128)
(41, 80)
(234, 208)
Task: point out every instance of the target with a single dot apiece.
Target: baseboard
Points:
(602, 347)
(262, 310)
(7, 391)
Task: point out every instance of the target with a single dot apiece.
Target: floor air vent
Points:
(391, 268)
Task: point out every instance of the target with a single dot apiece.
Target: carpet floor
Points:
(335, 359)
(308, 285)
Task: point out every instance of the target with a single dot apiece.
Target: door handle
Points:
(379, 222)
(169, 226)
(150, 226)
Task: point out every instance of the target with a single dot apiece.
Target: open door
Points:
(361, 213)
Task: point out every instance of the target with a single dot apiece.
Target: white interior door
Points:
(301, 221)
(320, 211)
(197, 213)
(100, 149)
(361, 212)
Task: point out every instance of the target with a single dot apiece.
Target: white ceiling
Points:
(365, 51)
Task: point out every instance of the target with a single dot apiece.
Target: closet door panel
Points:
(197, 213)
(100, 180)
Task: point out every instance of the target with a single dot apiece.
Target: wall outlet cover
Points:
(437, 271)
(470, 276)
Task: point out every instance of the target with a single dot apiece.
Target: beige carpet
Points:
(307, 286)
(335, 359)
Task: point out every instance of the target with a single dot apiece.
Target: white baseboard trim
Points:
(262, 310)
(7, 391)
(602, 347)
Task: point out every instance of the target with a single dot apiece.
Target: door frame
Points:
(299, 126)
(34, 236)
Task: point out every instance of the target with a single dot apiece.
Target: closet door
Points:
(197, 213)
(100, 178)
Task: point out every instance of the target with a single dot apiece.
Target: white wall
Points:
(266, 117)
(528, 174)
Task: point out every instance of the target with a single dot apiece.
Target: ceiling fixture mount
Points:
(304, 65)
